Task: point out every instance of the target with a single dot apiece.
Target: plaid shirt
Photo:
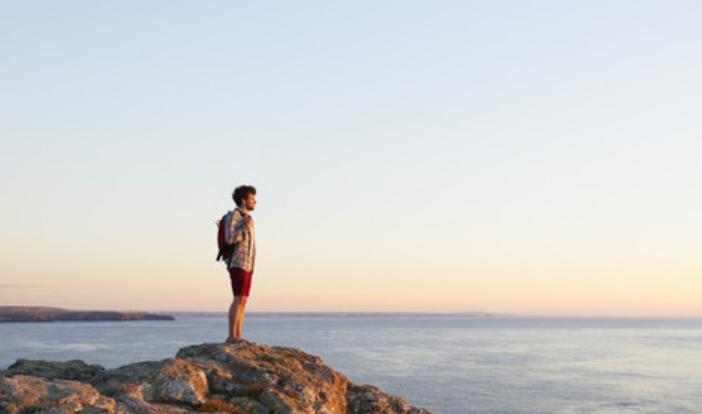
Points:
(236, 231)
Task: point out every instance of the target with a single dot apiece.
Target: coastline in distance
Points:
(47, 314)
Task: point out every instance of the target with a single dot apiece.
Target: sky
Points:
(527, 157)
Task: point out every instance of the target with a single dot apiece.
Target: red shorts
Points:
(241, 281)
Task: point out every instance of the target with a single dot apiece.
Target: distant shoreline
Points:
(457, 315)
(31, 314)
(342, 314)
(13, 314)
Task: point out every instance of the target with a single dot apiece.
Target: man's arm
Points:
(236, 227)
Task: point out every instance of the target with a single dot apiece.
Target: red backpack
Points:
(225, 250)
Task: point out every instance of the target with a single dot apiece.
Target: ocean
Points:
(448, 364)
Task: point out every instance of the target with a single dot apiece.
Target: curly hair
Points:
(241, 192)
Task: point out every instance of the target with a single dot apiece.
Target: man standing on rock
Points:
(239, 232)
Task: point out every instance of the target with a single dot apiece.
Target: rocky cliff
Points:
(240, 378)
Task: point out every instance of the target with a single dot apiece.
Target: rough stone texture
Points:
(22, 394)
(286, 380)
(240, 378)
(367, 399)
(179, 381)
(72, 370)
(132, 380)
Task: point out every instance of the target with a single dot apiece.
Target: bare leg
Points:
(232, 319)
(236, 317)
(240, 316)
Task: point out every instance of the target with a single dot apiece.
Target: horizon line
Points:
(473, 313)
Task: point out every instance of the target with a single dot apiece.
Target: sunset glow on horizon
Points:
(532, 158)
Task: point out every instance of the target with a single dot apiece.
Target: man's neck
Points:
(244, 209)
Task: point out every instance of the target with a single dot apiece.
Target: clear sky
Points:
(531, 157)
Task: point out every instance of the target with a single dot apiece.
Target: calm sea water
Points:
(450, 365)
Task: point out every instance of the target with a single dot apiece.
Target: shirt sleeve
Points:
(235, 228)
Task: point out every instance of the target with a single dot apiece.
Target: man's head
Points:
(245, 197)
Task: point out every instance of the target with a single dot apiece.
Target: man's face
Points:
(249, 202)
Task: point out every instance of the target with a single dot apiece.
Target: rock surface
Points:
(239, 378)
